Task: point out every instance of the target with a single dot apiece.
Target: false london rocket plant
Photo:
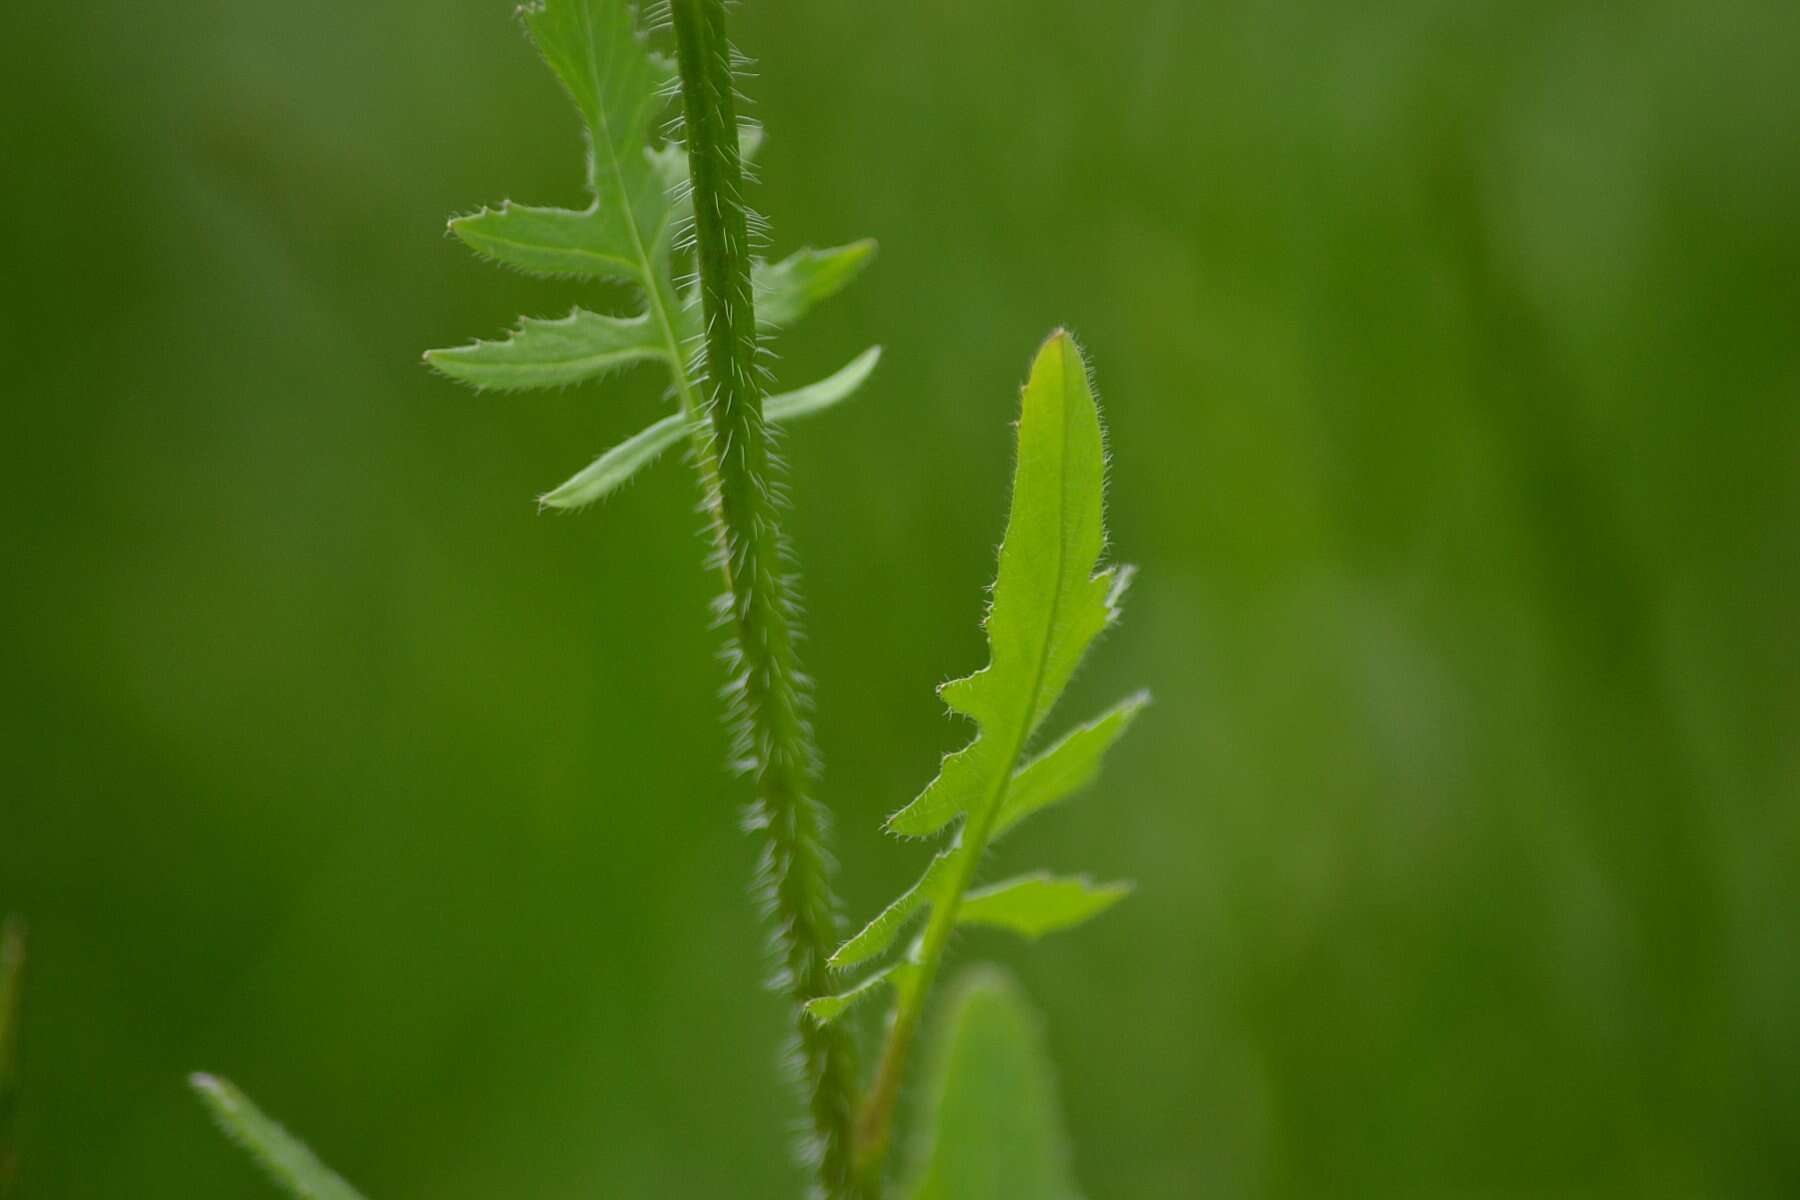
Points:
(667, 217)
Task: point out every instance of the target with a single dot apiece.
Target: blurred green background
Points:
(1451, 354)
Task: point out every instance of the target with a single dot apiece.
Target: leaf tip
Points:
(218, 1094)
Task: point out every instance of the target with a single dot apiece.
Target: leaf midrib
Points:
(652, 286)
(573, 251)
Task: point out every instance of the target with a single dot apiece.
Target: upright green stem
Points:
(777, 738)
(875, 1124)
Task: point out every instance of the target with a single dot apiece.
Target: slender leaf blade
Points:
(1033, 905)
(992, 1126)
(552, 242)
(875, 937)
(826, 1009)
(613, 469)
(552, 353)
(828, 392)
(1067, 767)
(789, 289)
(286, 1159)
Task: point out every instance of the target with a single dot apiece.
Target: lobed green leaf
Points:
(286, 1159)
(1049, 601)
(620, 87)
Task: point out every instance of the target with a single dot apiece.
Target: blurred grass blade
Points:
(12, 987)
(551, 353)
(553, 242)
(991, 1129)
(289, 1163)
(611, 470)
(1036, 904)
(788, 290)
(1067, 767)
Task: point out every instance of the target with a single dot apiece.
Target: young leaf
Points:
(1067, 767)
(1050, 601)
(1034, 905)
(620, 88)
(288, 1162)
(991, 1128)
(879, 934)
(612, 469)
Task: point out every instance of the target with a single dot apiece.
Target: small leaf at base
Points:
(991, 1129)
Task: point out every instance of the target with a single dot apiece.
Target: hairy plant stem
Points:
(772, 690)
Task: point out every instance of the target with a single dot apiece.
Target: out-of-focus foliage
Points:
(1451, 387)
(989, 1125)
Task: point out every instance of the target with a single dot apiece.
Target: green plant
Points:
(1049, 604)
(652, 206)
